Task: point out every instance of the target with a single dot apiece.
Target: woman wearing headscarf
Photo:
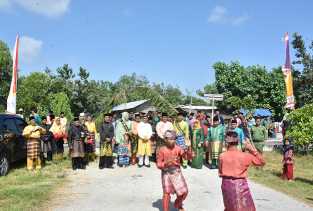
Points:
(91, 143)
(197, 145)
(233, 167)
(32, 133)
(123, 130)
(59, 135)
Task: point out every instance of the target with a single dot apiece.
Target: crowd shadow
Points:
(310, 182)
(310, 199)
(158, 204)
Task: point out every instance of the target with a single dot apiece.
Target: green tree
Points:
(303, 80)
(34, 91)
(60, 102)
(5, 73)
(250, 87)
(301, 128)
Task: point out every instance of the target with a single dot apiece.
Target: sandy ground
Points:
(135, 189)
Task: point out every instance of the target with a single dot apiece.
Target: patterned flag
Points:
(288, 76)
(11, 101)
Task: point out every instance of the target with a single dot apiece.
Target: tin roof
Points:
(130, 105)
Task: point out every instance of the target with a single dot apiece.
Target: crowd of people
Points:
(183, 140)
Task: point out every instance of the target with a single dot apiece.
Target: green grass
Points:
(270, 175)
(25, 190)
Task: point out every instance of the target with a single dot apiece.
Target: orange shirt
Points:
(235, 163)
(166, 154)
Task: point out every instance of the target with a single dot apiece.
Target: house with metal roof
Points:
(135, 107)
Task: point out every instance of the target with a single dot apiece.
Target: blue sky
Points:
(171, 41)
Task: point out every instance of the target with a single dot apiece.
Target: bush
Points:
(301, 126)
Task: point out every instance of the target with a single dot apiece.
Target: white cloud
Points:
(4, 4)
(220, 14)
(49, 8)
(29, 49)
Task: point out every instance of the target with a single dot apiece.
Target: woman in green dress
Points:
(197, 146)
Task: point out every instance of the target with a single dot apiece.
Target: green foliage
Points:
(33, 92)
(5, 74)
(249, 87)
(303, 80)
(301, 128)
(61, 103)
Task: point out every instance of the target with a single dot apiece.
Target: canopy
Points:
(262, 112)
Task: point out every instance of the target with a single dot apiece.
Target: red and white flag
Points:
(11, 101)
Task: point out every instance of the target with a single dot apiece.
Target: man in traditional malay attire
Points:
(161, 127)
(173, 181)
(76, 137)
(182, 131)
(241, 136)
(144, 143)
(216, 140)
(233, 167)
(106, 145)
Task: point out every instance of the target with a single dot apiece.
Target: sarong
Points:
(180, 141)
(33, 148)
(78, 149)
(106, 149)
(216, 147)
(236, 195)
(144, 147)
(173, 181)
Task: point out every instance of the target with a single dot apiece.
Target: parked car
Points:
(12, 142)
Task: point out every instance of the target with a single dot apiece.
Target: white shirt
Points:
(162, 127)
(144, 130)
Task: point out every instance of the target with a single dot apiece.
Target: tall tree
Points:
(250, 87)
(5, 73)
(304, 78)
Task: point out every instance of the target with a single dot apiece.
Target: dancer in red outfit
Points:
(173, 181)
(233, 169)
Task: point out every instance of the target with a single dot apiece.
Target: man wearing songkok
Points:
(161, 127)
(106, 145)
(144, 144)
(182, 130)
(216, 138)
(173, 181)
(76, 138)
(32, 133)
(234, 127)
(233, 169)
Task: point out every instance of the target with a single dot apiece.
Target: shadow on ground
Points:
(310, 182)
(158, 204)
(310, 199)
